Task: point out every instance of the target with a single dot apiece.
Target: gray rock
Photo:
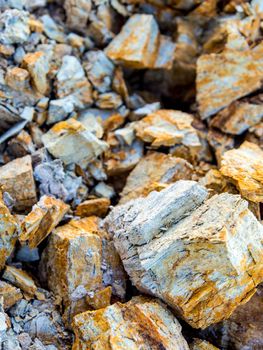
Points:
(14, 27)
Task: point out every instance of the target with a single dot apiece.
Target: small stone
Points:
(60, 109)
(21, 145)
(199, 344)
(45, 216)
(14, 27)
(51, 29)
(244, 167)
(98, 207)
(141, 323)
(103, 190)
(10, 294)
(20, 279)
(16, 178)
(26, 254)
(17, 78)
(77, 13)
(109, 100)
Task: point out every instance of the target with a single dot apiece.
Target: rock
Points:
(98, 207)
(51, 29)
(26, 254)
(21, 145)
(151, 171)
(109, 100)
(10, 294)
(103, 190)
(72, 142)
(74, 262)
(164, 238)
(60, 109)
(20, 279)
(199, 344)
(77, 13)
(14, 28)
(141, 323)
(37, 64)
(17, 78)
(223, 78)
(16, 178)
(9, 116)
(244, 166)
(218, 183)
(45, 216)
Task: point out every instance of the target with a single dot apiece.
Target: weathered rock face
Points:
(17, 179)
(72, 142)
(142, 323)
(98, 207)
(171, 237)
(45, 216)
(152, 172)
(82, 267)
(244, 166)
(8, 234)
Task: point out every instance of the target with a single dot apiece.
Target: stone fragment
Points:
(98, 207)
(37, 64)
(77, 13)
(142, 323)
(52, 30)
(74, 262)
(71, 142)
(17, 78)
(21, 145)
(103, 190)
(20, 279)
(244, 166)
(9, 116)
(151, 171)
(14, 28)
(164, 239)
(225, 77)
(199, 344)
(10, 294)
(109, 100)
(218, 183)
(60, 109)
(45, 216)
(16, 178)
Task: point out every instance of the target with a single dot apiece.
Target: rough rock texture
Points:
(79, 262)
(17, 179)
(142, 323)
(10, 294)
(98, 207)
(244, 166)
(164, 238)
(72, 142)
(199, 344)
(14, 27)
(45, 216)
(151, 172)
(20, 279)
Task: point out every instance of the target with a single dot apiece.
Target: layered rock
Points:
(202, 258)
(244, 167)
(142, 323)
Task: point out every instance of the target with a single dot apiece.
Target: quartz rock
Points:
(142, 323)
(98, 207)
(164, 238)
(16, 178)
(45, 216)
(20, 279)
(74, 262)
(199, 344)
(71, 142)
(151, 171)
(10, 294)
(14, 27)
(244, 166)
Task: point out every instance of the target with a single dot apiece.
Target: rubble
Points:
(14, 27)
(10, 294)
(162, 239)
(130, 326)
(199, 344)
(20, 279)
(97, 206)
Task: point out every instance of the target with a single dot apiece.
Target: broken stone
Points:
(51, 29)
(16, 178)
(17, 78)
(199, 344)
(14, 28)
(21, 145)
(243, 166)
(81, 246)
(98, 207)
(109, 100)
(72, 142)
(20, 279)
(163, 238)
(103, 190)
(45, 216)
(10, 294)
(60, 109)
(129, 326)
(9, 116)
(151, 171)
(77, 13)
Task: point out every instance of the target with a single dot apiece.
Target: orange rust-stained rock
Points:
(16, 178)
(199, 344)
(45, 216)
(10, 294)
(20, 279)
(79, 262)
(142, 323)
(244, 166)
(154, 170)
(17, 78)
(98, 207)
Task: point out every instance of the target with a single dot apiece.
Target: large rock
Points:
(244, 167)
(203, 259)
(142, 323)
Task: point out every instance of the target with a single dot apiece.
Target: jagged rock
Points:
(45, 216)
(10, 294)
(14, 28)
(17, 78)
(59, 109)
(21, 145)
(164, 239)
(142, 323)
(218, 183)
(103, 190)
(52, 30)
(79, 262)
(72, 142)
(9, 116)
(152, 170)
(98, 207)
(199, 344)
(20, 279)
(244, 166)
(16, 178)
(77, 13)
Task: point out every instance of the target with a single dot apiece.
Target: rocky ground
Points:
(131, 174)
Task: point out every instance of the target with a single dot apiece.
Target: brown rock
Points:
(16, 178)
(45, 216)
(10, 294)
(98, 207)
(142, 323)
(20, 279)
(199, 344)
(17, 78)
(244, 166)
